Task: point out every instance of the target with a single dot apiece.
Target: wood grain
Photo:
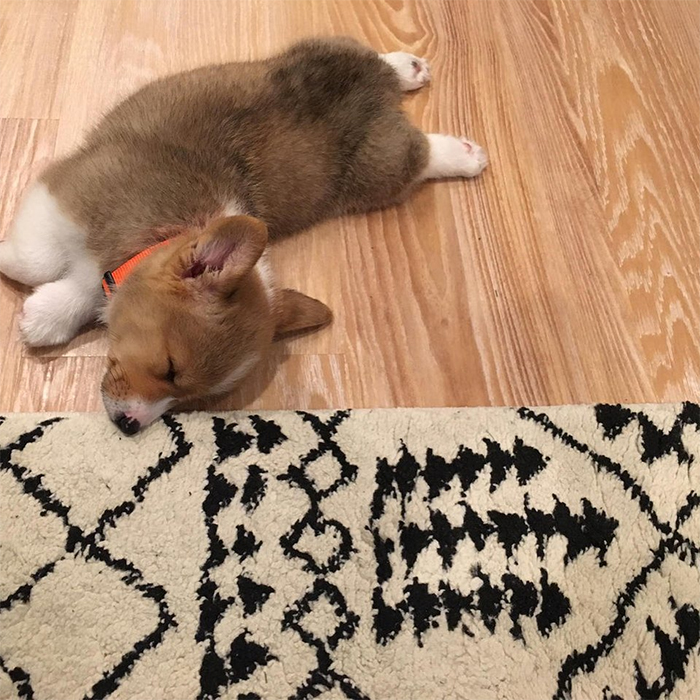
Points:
(567, 273)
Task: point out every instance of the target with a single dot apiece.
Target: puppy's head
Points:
(194, 318)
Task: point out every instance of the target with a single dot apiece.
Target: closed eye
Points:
(171, 373)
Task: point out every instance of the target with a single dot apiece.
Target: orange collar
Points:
(115, 278)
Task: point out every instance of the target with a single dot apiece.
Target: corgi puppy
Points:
(176, 194)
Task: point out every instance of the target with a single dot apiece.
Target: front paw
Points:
(39, 324)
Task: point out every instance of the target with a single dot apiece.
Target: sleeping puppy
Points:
(159, 223)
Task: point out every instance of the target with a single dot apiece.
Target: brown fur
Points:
(314, 132)
(227, 312)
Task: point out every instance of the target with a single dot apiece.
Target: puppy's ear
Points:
(297, 313)
(224, 253)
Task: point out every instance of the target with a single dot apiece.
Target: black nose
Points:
(128, 426)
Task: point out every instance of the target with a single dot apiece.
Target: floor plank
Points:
(35, 38)
(567, 273)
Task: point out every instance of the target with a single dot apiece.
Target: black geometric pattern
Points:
(654, 443)
(360, 554)
(87, 545)
(220, 669)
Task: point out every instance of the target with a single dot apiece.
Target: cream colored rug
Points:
(392, 555)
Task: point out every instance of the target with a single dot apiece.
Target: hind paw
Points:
(413, 72)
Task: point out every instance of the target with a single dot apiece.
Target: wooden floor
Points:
(569, 272)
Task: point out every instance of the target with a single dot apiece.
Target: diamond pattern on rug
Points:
(490, 553)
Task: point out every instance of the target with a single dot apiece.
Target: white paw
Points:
(413, 72)
(52, 315)
(27, 267)
(41, 237)
(9, 265)
(39, 328)
(476, 159)
(451, 156)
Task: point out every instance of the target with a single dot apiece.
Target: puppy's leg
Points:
(38, 247)
(413, 72)
(56, 311)
(450, 156)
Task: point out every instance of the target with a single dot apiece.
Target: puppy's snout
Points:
(128, 426)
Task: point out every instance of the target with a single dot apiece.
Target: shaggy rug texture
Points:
(392, 554)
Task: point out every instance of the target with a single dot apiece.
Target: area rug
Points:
(392, 554)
